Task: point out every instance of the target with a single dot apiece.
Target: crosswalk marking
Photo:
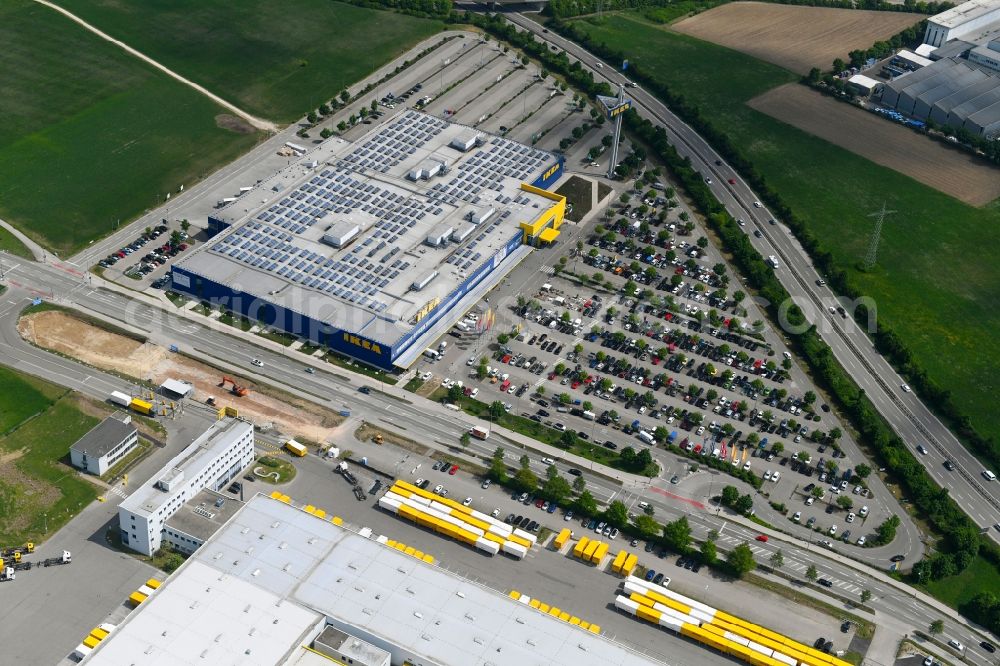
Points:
(118, 491)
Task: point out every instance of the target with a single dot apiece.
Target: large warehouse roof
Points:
(289, 567)
(965, 12)
(361, 223)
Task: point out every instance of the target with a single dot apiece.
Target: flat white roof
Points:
(965, 12)
(202, 617)
(914, 58)
(190, 462)
(274, 249)
(862, 80)
(293, 560)
(925, 50)
(177, 386)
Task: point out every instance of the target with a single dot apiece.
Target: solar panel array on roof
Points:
(395, 142)
(486, 169)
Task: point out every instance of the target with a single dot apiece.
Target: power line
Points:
(869, 262)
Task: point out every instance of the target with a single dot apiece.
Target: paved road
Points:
(909, 417)
(430, 423)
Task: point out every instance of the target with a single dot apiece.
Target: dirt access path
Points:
(63, 333)
(253, 120)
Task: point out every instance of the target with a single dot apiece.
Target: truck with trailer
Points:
(479, 432)
(346, 473)
(295, 448)
(6, 574)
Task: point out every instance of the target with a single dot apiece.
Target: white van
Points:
(990, 476)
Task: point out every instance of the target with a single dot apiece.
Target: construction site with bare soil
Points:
(151, 364)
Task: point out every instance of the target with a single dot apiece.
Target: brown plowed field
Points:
(794, 37)
(947, 170)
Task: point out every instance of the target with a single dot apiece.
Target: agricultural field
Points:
(794, 37)
(947, 323)
(275, 60)
(89, 135)
(946, 169)
(39, 491)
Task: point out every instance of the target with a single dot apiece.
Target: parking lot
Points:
(544, 574)
(663, 349)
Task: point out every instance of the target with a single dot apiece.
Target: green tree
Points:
(498, 470)
(740, 560)
(326, 133)
(551, 472)
(646, 526)
(709, 552)
(845, 502)
(585, 504)
(729, 496)
(524, 461)
(556, 488)
(465, 439)
(579, 484)
(862, 470)
(496, 409)
(345, 96)
(777, 559)
(937, 627)
(526, 480)
(811, 573)
(678, 534)
(744, 504)
(617, 514)
(865, 596)
(455, 394)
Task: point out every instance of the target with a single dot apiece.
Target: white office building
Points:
(211, 461)
(105, 444)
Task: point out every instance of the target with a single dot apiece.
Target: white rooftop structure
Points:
(177, 387)
(967, 20)
(285, 565)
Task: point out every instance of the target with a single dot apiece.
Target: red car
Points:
(552, 376)
(732, 181)
(574, 385)
(539, 503)
(656, 360)
(454, 468)
(762, 537)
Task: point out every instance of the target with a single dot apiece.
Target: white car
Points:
(797, 516)
(861, 540)
(467, 501)
(832, 530)
(863, 511)
(448, 382)
(905, 387)
(438, 488)
(496, 512)
(810, 500)
(427, 376)
(471, 362)
(548, 461)
(767, 475)
(775, 476)
(746, 466)
(757, 204)
(256, 361)
(474, 393)
(850, 517)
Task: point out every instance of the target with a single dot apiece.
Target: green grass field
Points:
(956, 591)
(89, 135)
(38, 492)
(274, 59)
(936, 283)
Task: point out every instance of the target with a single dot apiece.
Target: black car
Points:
(989, 647)
(949, 465)
(608, 444)
(658, 579)
(524, 522)
(689, 563)
(517, 520)
(820, 642)
(696, 568)
(845, 627)
(897, 558)
(574, 471)
(509, 519)
(825, 582)
(365, 390)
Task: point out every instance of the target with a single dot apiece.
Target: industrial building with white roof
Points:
(375, 247)
(277, 584)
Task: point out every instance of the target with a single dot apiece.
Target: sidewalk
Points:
(35, 248)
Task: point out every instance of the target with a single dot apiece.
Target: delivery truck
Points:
(479, 432)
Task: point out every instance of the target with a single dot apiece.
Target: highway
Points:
(432, 424)
(907, 415)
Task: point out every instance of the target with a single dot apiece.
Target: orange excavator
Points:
(237, 389)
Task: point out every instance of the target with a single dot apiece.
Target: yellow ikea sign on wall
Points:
(361, 342)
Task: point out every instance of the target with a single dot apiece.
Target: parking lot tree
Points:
(886, 532)
(744, 504)
(831, 466)
(728, 429)
(753, 438)
(617, 514)
(696, 418)
(727, 375)
(526, 480)
(643, 459)
(630, 287)
(711, 395)
(837, 433)
(605, 384)
(565, 316)
(345, 96)
(817, 492)
(607, 140)
(568, 439)
(353, 120)
(578, 348)
(937, 627)
(711, 370)
(585, 504)
(326, 133)
(560, 368)
(729, 496)
(777, 448)
(455, 393)
(496, 409)
(540, 390)
(811, 573)
(677, 534)
(719, 269)
(503, 338)
(624, 198)
(862, 470)
(709, 552)
(342, 126)
(646, 526)
(613, 415)
(597, 277)
(628, 457)
(845, 502)
(786, 363)
(556, 488)
(565, 398)
(579, 484)
(740, 560)
(311, 117)
(587, 406)
(866, 594)
(768, 415)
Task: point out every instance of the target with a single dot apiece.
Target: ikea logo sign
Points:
(548, 174)
(618, 110)
(361, 342)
